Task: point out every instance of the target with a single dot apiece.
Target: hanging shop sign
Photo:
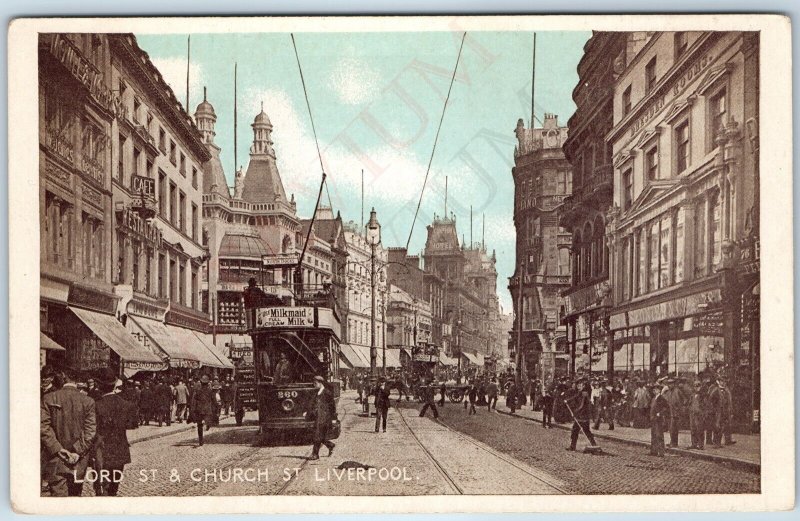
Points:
(143, 229)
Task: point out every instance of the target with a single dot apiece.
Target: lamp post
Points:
(373, 235)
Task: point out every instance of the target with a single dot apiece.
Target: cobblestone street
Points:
(621, 469)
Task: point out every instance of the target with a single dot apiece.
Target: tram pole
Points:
(372, 351)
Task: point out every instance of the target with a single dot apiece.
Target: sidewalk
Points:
(153, 431)
(746, 453)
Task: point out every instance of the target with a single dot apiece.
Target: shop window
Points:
(681, 140)
(715, 235)
(666, 251)
(650, 76)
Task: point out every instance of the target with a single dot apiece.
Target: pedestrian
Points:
(536, 392)
(698, 411)
(709, 389)
(603, 407)
(360, 389)
(511, 397)
(163, 400)
(722, 407)
(473, 397)
(547, 408)
(181, 400)
(492, 390)
(443, 393)
(641, 402)
(659, 418)
(146, 400)
(238, 402)
(114, 416)
(381, 404)
(68, 431)
(428, 393)
(225, 394)
(677, 403)
(324, 414)
(202, 407)
(91, 389)
(580, 405)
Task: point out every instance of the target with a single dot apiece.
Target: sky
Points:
(377, 99)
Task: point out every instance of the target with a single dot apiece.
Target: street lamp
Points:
(373, 235)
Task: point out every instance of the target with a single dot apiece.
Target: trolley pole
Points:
(373, 354)
(520, 303)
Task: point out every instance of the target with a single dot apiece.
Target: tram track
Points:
(485, 449)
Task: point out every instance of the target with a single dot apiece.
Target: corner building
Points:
(683, 233)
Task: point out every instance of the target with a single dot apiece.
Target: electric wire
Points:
(435, 141)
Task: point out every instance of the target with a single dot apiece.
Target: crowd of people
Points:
(85, 419)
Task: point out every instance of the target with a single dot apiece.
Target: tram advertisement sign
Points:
(285, 317)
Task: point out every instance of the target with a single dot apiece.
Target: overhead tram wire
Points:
(435, 141)
(313, 127)
(298, 272)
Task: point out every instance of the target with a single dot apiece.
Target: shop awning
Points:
(351, 357)
(180, 353)
(363, 354)
(208, 341)
(45, 342)
(447, 361)
(196, 346)
(392, 357)
(134, 355)
(472, 358)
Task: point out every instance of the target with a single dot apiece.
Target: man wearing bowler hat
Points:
(114, 416)
(324, 413)
(202, 407)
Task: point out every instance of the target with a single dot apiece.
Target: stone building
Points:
(587, 302)
(542, 180)
(683, 233)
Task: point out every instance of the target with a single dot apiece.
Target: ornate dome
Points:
(205, 108)
(243, 245)
(262, 118)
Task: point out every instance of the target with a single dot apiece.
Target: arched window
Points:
(286, 245)
(599, 262)
(588, 254)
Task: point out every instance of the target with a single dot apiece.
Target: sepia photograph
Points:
(362, 261)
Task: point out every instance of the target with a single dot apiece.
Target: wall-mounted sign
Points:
(145, 186)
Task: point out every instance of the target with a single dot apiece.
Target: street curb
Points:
(735, 462)
(161, 435)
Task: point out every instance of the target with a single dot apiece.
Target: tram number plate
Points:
(287, 394)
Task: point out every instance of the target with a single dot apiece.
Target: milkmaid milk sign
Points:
(285, 317)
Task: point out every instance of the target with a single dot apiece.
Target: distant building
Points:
(542, 180)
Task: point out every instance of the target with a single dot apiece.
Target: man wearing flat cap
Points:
(202, 407)
(323, 413)
(660, 415)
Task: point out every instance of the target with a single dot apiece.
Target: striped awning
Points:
(351, 357)
(45, 342)
(208, 341)
(181, 354)
(185, 336)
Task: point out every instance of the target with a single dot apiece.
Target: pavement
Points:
(746, 452)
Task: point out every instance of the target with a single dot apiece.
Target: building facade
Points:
(587, 302)
(542, 181)
(683, 234)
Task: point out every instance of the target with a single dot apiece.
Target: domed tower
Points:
(262, 135)
(205, 118)
(213, 175)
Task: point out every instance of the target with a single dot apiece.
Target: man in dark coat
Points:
(238, 403)
(547, 407)
(442, 393)
(604, 408)
(581, 405)
(68, 430)
(660, 414)
(698, 412)
(163, 400)
(511, 397)
(472, 395)
(381, 404)
(324, 413)
(428, 393)
(677, 403)
(492, 390)
(114, 416)
(202, 407)
(722, 413)
(146, 400)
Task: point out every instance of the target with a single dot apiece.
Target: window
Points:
(137, 106)
(576, 266)
(625, 266)
(627, 189)
(137, 251)
(162, 194)
(653, 238)
(173, 280)
(714, 231)
(162, 140)
(651, 162)
(173, 204)
(148, 265)
(162, 275)
(665, 247)
(650, 76)
(642, 247)
(182, 211)
(182, 165)
(679, 244)
(717, 112)
(121, 247)
(194, 222)
(87, 239)
(700, 242)
(173, 153)
(121, 160)
(194, 177)
(135, 163)
(150, 172)
(681, 43)
(182, 283)
(626, 101)
(194, 289)
(682, 146)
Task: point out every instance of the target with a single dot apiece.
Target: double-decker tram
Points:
(296, 331)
